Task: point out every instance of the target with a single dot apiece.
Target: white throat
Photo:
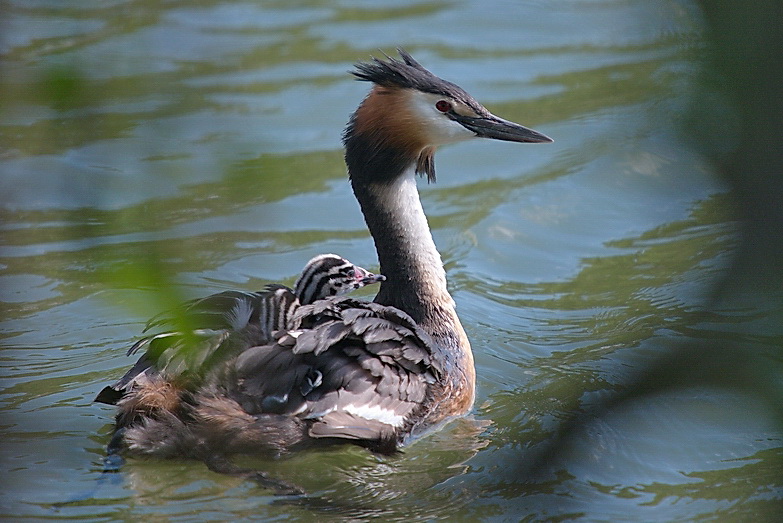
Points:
(401, 200)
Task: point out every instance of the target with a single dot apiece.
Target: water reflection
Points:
(174, 147)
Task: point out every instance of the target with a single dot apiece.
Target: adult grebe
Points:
(343, 369)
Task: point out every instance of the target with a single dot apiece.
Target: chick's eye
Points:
(443, 106)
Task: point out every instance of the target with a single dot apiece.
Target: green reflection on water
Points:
(180, 113)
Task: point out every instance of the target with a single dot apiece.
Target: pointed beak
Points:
(499, 129)
(365, 277)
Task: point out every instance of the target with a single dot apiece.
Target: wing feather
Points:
(343, 368)
(357, 370)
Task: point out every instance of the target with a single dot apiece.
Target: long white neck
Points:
(415, 278)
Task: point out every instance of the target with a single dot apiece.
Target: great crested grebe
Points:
(340, 369)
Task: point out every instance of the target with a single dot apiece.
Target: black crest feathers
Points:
(406, 74)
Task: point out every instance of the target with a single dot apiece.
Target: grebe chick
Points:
(225, 322)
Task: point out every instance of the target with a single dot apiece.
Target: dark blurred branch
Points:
(744, 66)
(746, 57)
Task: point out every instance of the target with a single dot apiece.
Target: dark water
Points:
(192, 147)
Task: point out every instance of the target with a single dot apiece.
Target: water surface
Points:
(193, 147)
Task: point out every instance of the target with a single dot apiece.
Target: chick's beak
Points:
(365, 277)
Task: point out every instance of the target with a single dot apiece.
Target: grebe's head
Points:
(331, 275)
(411, 111)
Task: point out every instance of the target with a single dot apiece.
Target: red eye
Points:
(443, 106)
